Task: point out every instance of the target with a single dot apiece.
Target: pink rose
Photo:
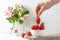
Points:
(8, 14)
(10, 9)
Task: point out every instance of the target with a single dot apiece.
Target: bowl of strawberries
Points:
(38, 29)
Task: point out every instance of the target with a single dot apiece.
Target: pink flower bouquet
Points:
(16, 15)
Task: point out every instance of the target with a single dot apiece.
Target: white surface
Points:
(50, 17)
(13, 37)
(10, 37)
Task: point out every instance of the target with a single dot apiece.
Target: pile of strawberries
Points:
(28, 34)
(38, 26)
(24, 35)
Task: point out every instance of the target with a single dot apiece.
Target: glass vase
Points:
(18, 29)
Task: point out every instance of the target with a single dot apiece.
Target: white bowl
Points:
(37, 32)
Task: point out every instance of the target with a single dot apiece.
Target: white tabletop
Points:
(13, 37)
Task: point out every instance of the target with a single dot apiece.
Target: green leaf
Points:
(10, 20)
(12, 28)
(16, 16)
(24, 13)
(15, 11)
(21, 21)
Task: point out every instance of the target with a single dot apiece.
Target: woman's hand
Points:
(43, 6)
(40, 7)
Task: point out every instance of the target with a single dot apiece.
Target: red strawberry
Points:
(22, 35)
(37, 20)
(35, 27)
(41, 26)
(29, 34)
(15, 31)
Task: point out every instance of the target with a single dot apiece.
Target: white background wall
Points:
(50, 17)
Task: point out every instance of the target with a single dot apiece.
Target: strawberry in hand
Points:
(37, 20)
(42, 26)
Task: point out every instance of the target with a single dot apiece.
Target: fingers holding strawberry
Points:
(37, 9)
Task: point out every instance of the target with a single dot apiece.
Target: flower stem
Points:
(12, 27)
